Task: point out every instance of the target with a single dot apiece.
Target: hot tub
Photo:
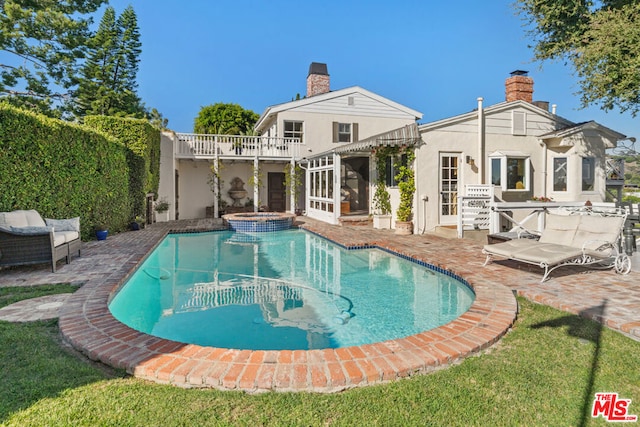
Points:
(259, 221)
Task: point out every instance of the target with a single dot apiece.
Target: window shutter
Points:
(519, 123)
(354, 132)
(335, 131)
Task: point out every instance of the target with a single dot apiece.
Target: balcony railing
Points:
(190, 145)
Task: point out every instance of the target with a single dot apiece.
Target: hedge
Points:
(144, 162)
(62, 170)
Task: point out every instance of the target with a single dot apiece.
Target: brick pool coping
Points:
(87, 324)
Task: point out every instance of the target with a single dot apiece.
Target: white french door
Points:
(449, 176)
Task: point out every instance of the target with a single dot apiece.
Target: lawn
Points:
(544, 372)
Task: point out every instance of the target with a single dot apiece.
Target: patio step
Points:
(356, 220)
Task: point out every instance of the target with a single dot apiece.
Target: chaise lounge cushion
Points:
(560, 229)
(547, 253)
(593, 231)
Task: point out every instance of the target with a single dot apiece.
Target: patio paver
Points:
(87, 324)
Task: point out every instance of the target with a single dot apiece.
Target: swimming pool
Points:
(286, 290)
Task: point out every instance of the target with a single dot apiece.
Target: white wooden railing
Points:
(190, 145)
(479, 210)
(473, 208)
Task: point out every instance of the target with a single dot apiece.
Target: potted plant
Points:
(381, 198)
(162, 210)
(100, 221)
(407, 186)
(137, 223)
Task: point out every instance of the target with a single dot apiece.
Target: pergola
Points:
(324, 171)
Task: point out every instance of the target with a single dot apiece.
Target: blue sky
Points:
(434, 57)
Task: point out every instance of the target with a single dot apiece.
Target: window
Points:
(495, 171)
(588, 173)
(511, 172)
(345, 132)
(293, 130)
(560, 174)
(391, 169)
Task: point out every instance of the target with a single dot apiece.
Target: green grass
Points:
(544, 372)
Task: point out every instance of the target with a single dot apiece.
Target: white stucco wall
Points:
(167, 167)
(462, 137)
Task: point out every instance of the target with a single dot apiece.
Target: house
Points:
(289, 134)
(518, 146)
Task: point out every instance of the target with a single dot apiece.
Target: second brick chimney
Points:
(519, 87)
(318, 79)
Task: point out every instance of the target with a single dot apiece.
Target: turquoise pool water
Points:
(285, 290)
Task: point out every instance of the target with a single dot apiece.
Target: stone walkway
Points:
(87, 324)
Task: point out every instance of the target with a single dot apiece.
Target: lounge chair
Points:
(583, 238)
(26, 238)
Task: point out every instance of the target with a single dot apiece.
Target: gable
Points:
(508, 118)
(350, 101)
(354, 104)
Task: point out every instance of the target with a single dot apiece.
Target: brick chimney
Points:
(519, 87)
(318, 79)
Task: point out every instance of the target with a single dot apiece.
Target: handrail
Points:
(191, 145)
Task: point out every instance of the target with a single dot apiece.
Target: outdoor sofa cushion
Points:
(26, 238)
(22, 218)
(29, 222)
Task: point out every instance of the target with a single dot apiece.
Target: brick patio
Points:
(87, 324)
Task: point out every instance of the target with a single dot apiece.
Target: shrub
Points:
(143, 141)
(62, 170)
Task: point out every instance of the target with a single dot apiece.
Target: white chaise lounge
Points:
(575, 238)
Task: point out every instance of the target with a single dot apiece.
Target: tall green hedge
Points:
(62, 170)
(144, 164)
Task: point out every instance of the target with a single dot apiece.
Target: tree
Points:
(157, 120)
(228, 119)
(43, 42)
(108, 83)
(601, 40)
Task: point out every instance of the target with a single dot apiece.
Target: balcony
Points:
(199, 146)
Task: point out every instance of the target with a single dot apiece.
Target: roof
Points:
(581, 127)
(405, 136)
(278, 108)
(495, 108)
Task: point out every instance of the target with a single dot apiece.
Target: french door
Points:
(449, 176)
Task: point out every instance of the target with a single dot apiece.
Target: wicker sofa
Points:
(27, 238)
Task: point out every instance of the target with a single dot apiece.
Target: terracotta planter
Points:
(404, 227)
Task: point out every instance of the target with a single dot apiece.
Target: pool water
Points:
(285, 290)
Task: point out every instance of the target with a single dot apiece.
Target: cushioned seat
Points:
(578, 238)
(27, 238)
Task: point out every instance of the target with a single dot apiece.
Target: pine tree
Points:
(108, 85)
(41, 44)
